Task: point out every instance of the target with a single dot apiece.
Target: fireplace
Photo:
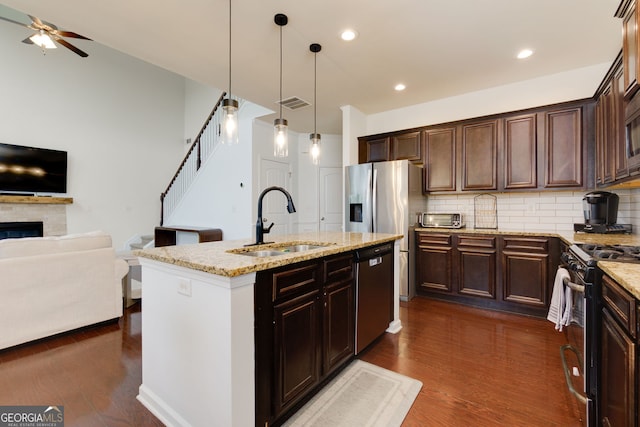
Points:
(16, 230)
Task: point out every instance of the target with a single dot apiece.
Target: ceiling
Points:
(437, 48)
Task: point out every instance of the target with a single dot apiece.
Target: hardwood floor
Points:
(477, 367)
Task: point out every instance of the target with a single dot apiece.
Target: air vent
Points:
(293, 103)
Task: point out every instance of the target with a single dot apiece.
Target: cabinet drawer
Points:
(621, 304)
(338, 268)
(428, 239)
(294, 281)
(526, 244)
(485, 242)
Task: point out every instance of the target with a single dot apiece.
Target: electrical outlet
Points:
(184, 287)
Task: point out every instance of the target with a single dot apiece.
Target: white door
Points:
(274, 203)
(330, 206)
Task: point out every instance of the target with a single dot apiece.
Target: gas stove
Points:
(622, 253)
(603, 228)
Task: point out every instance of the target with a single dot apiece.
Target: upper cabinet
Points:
(480, 155)
(520, 152)
(563, 148)
(611, 154)
(397, 146)
(440, 159)
(628, 12)
(540, 148)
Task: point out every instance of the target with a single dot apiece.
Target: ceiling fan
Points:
(47, 33)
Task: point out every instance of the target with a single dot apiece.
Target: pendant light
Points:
(229, 106)
(315, 136)
(280, 130)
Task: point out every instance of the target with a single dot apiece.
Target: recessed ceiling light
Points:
(400, 87)
(525, 53)
(348, 35)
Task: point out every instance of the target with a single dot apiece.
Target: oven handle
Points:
(567, 374)
(574, 286)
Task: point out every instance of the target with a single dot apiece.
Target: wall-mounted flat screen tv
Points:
(32, 170)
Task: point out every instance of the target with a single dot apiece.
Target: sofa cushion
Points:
(31, 246)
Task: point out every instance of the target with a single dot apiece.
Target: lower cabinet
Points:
(510, 273)
(304, 331)
(618, 391)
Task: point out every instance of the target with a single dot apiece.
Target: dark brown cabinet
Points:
(304, 331)
(510, 273)
(630, 45)
(374, 149)
(434, 262)
(440, 159)
(407, 146)
(480, 155)
(477, 266)
(563, 148)
(520, 152)
(611, 155)
(526, 263)
(618, 394)
(548, 147)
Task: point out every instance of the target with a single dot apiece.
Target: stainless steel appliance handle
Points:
(574, 286)
(567, 374)
(373, 204)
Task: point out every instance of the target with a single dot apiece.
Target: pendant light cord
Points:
(229, 94)
(281, 72)
(315, 84)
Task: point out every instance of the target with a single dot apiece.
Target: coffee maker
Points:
(600, 210)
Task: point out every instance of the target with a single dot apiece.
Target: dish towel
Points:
(558, 312)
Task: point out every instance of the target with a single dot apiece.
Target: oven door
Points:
(577, 355)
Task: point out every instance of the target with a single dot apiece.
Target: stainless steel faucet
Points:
(260, 229)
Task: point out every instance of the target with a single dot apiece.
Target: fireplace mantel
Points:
(39, 200)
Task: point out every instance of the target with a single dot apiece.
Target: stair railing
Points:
(200, 150)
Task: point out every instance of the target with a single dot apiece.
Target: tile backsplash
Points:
(537, 211)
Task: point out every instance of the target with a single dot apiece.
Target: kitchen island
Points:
(198, 364)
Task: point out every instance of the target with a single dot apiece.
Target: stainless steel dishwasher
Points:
(374, 293)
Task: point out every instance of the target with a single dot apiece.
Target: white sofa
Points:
(50, 285)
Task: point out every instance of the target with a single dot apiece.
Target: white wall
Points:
(119, 118)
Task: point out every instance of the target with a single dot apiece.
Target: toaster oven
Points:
(441, 220)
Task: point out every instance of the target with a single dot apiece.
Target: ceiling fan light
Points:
(229, 134)
(43, 40)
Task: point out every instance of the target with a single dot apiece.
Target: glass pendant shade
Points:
(315, 147)
(280, 138)
(229, 131)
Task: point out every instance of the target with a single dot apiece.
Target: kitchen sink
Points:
(278, 249)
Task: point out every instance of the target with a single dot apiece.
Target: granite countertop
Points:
(626, 274)
(214, 257)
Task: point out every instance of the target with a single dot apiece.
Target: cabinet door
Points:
(407, 146)
(297, 343)
(520, 164)
(630, 47)
(477, 266)
(374, 150)
(339, 312)
(617, 373)
(434, 262)
(619, 138)
(563, 148)
(525, 271)
(479, 155)
(440, 159)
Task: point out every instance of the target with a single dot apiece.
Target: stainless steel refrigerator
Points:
(386, 197)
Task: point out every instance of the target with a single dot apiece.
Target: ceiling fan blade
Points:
(27, 40)
(14, 22)
(71, 47)
(70, 34)
(36, 20)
